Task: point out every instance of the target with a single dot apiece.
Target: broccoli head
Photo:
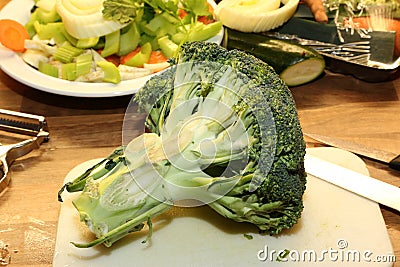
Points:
(221, 128)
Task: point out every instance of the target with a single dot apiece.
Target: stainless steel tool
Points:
(21, 124)
(392, 159)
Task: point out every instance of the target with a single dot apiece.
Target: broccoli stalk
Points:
(222, 129)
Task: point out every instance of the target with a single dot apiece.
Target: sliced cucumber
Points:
(296, 64)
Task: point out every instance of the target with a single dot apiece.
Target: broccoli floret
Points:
(286, 180)
(222, 128)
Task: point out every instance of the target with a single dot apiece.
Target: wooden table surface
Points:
(85, 128)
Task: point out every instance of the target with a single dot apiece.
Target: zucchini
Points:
(296, 64)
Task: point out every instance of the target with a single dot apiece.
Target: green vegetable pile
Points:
(222, 129)
(69, 37)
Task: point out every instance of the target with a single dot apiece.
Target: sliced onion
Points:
(84, 19)
(254, 18)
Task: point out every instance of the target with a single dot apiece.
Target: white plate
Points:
(12, 64)
(335, 224)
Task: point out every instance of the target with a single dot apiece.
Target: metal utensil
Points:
(392, 159)
(22, 124)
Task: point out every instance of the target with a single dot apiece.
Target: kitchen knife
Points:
(392, 159)
(368, 187)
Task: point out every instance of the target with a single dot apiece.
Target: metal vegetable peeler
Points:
(19, 124)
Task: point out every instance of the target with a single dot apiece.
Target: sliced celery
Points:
(69, 37)
(142, 57)
(160, 23)
(59, 37)
(45, 16)
(179, 37)
(30, 24)
(202, 32)
(83, 64)
(112, 44)
(49, 30)
(67, 53)
(145, 38)
(129, 40)
(68, 71)
(167, 46)
(111, 72)
(87, 42)
(168, 17)
(48, 69)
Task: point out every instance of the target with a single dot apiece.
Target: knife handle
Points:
(395, 163)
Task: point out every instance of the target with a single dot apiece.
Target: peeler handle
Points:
(22, 148)
(5, 178)
(9, 153)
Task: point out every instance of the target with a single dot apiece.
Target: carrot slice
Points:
(114, 59)
(130, 55)
(157, 57)
(205, 19)
(182, 13)
(13, 35)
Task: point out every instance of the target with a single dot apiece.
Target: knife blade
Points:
(392, 159)
(363, 185)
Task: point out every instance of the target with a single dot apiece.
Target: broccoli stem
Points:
(95, 172)
(127, 227)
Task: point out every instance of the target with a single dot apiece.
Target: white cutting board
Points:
(336, 227)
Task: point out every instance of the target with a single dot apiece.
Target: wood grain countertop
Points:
(85, 128)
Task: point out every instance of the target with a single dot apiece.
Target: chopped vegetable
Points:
(255, 15)
(295, 64)
(48, 69)
(141, 57)
(127, 57)
(157, 57)
(111, 73)
(318, 10)
(115, 29)
(84, 19)
(222, 128)
(13, 35)
(123, 11)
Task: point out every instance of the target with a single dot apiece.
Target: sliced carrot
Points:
(182, 13)
(13, 35)
(114, 59)
(157, 57)
(128, 56)
(205, 19)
